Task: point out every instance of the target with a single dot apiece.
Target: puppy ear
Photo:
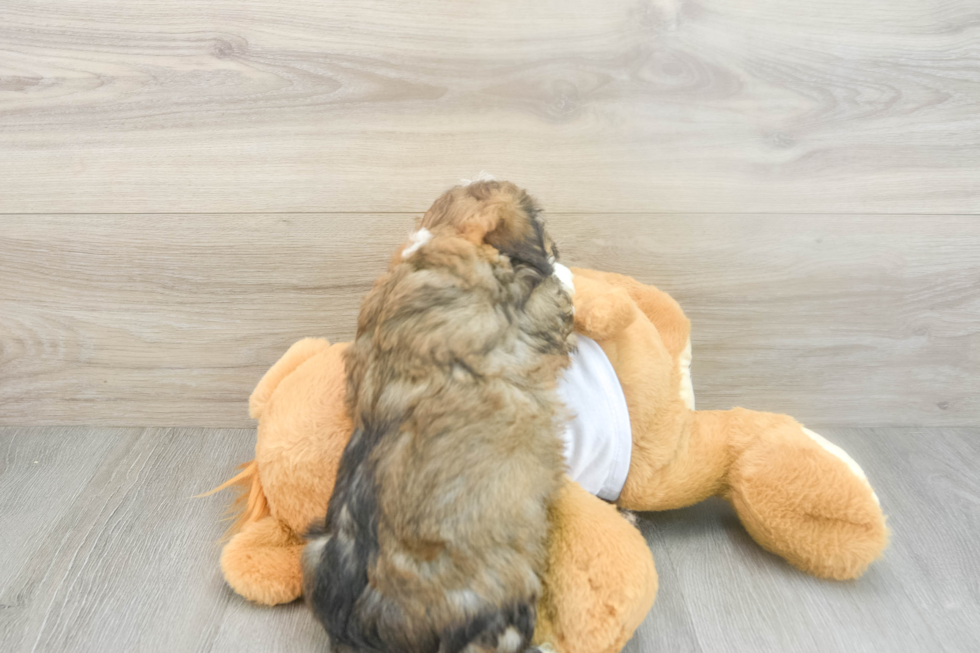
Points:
(476, 210)
(495, 213)
(525, 247)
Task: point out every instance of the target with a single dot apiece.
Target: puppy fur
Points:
(435, 536)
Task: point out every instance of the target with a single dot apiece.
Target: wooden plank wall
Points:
(186, 188)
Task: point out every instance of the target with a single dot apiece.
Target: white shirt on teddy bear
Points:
(598, 440)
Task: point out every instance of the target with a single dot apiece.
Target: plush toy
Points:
(797, 495)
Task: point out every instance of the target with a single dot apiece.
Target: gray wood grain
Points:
(171, 320)
(126, 560)
(723, 593)
(103, 550)
(46, 470)
(715, 105)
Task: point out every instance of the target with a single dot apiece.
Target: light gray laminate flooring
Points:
(103, 548)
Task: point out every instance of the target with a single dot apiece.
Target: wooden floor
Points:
(104, 549)
(187, 187)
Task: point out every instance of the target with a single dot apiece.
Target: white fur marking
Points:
(344, 518)
(630, 516)
(546, 648)
(467, 600)
(315, 547)
(313, 551)
(836, 451)
(687, 387)
(483, 176)
(510, 641)
(565, 276)
(417, 238)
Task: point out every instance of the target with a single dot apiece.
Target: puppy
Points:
(434, 539)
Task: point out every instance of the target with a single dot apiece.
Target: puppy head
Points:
(494, 213)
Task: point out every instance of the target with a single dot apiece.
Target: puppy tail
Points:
(250, 505)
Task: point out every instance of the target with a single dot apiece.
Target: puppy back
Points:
(435, 535)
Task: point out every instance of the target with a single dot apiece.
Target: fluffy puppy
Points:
(434, 539)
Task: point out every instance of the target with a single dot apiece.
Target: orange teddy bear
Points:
(797, 495)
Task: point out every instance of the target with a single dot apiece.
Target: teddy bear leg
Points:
(601, 580)
(803, 498)
(262, 562)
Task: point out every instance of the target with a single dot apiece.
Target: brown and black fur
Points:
(434, 539)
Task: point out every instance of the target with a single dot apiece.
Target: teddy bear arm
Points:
(601, 311)
(659, 307)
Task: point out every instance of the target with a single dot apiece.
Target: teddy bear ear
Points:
(295, 356)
